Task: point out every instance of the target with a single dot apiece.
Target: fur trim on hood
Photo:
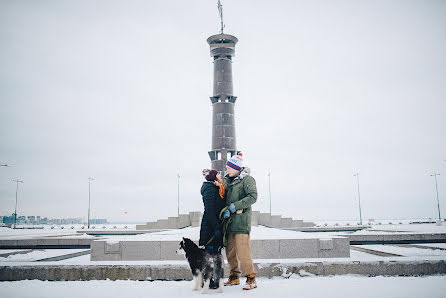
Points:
(243, 173)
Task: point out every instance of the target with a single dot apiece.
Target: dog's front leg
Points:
(197, 280)
(206, 286)
(221, 285)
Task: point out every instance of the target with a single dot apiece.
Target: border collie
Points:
(206, 265)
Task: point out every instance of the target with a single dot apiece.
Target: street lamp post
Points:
(89, 199)
(269, 185)
(16, 191)
(438, 200)
(359, 198)
(178, 197)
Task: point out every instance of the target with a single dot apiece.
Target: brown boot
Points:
(233, 279)
(250, 282)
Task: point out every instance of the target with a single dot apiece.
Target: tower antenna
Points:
(220, 11)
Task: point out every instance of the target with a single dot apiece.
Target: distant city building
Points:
(38, 220)
(98, 221)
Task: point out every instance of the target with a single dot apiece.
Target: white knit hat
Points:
(236, 162)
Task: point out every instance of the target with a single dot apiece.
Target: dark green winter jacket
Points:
(242, 192)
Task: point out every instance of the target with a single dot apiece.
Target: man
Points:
(241, 193)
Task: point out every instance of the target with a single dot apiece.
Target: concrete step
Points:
(279, 222)
(174, 222)
(194, 219)
(182, 272)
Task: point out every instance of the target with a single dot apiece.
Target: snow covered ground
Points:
(38, 254)
(295, 286)
(314, 287)
(406, 251)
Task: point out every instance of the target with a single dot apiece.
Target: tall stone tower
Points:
(222, 48)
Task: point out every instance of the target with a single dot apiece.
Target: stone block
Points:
(48, 241)
(326, 244)
(8, 243)
(172, 223)
(97, 250)
(265, 249)
(168, 250)
(112, 247)
(141, 227)
(255, 218)
(170, 273)
(275, 221)
(68, 241)
(140, 250)
(152, 225)
(286, 222)
(397, 237)
(195, 218)
(298, 248)
(85, 241)
(307, 224)
(265, 219)
(373, 238)
(163, 224)
(297, 223)
(184, 221)
(341, 248)
(27, 242)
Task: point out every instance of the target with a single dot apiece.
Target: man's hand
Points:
(231, 208)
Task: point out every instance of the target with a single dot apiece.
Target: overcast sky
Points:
(119, 91)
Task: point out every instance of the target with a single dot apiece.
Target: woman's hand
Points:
(219, 179)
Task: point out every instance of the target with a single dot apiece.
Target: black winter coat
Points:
(213, 204)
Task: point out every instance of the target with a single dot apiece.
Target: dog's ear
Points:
(184, 239)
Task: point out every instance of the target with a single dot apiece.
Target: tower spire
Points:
(220, 11)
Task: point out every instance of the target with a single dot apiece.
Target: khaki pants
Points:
(238, 252)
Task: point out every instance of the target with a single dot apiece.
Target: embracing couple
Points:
(227, 218)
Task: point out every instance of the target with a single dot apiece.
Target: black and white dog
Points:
(206, 266)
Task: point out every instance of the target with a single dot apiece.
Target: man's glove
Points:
(231, 208)
(226, 213)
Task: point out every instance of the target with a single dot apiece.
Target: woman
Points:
(213, 193)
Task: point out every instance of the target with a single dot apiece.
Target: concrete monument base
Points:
(336, 247)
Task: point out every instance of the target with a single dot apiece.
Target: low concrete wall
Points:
(182, 272)
(261, 249)
(45, 243)
(400, 238)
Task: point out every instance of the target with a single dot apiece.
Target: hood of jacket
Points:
(243, 173)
